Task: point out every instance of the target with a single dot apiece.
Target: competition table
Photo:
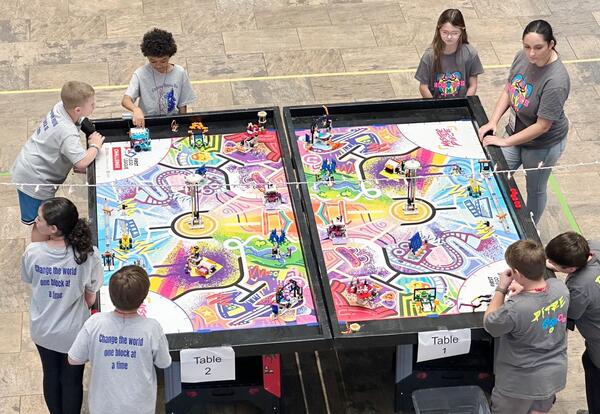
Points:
(209, 215)
(408, 219)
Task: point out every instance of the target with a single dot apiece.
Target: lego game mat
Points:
(223, 271)
(410, 218)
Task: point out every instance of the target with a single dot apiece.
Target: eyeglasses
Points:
(450, 34)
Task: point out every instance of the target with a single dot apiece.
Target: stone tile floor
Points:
(45, 42)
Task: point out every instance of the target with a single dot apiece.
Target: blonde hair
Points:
(75, 93)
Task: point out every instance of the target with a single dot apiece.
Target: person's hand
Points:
(506, 279)
(79, 170)
(515, 288)
(96, 138)
(494, 140)
(138, 117)
(487, 129)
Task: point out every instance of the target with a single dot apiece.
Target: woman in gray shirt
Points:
(535, 94)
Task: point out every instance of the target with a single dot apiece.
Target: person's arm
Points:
(424, 90)
(501, 106)
(95, 142)
(530, 133)
(79, 352)
(472, 86)
(90, 298)
(138, 115)
(161, 356)
(498, 299)
(578, 304)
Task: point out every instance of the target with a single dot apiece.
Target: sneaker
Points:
(583, 412)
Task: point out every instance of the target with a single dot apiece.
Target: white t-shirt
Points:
(58, 309)
(122, 352)
(48, 155)
(160, 93)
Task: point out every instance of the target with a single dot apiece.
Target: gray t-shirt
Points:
(539, 92)
(531, 354)
(457, 69)
(160, 93)
(584, 286)
(58, 309)
(48, 155)
(122, 352)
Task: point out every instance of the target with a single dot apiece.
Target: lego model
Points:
(125, 242)
(411, 167)
(272, 197)
(198, 265)
(108, 260)
(425, 299)
(328, 168)
(485, 168)
(474, 188)
(417, 244)
(362, 292)
(139, 139)
(336, 231)
(196, 135)
(262, 120)
(320, 132)
(252, 133)
(394, 167)
(194, 182)
(456, 170)
(287, 295)
(277, 241)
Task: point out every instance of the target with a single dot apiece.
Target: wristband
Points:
(504, 291)
(94, 146)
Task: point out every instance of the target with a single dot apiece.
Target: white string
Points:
(141, 184)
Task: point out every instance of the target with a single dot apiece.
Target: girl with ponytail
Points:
(65, 272)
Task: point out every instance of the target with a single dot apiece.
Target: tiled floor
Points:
(45, 42)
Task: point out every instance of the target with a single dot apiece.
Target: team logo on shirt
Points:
(168, 101)
(519, 91)
(550, 316)
(449, 84)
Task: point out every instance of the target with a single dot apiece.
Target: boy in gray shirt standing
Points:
(123, 348)
(162, 87)
(531, 359)
(53, 150)
(571, 253)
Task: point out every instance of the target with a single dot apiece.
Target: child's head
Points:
(538, 42)
(450, 29)
(158, 46)
(568, 252)
(58, 218)
(128, 287)
(78, 98)
(526, 257)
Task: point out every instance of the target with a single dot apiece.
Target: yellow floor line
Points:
(281, 77)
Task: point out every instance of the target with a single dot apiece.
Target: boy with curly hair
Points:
(163, 88)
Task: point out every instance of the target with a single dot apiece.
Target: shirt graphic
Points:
(551, 315)
(449, 83)
(519, 91)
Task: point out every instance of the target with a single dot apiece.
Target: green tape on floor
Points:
(555, 187)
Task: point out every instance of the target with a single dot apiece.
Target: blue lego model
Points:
(201, 171)
(139, 139)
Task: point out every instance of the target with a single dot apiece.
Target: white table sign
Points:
(442, 344)
(207, 364)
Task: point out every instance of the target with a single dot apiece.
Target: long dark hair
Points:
(62, 213)
(541, 27)
(455, 18)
